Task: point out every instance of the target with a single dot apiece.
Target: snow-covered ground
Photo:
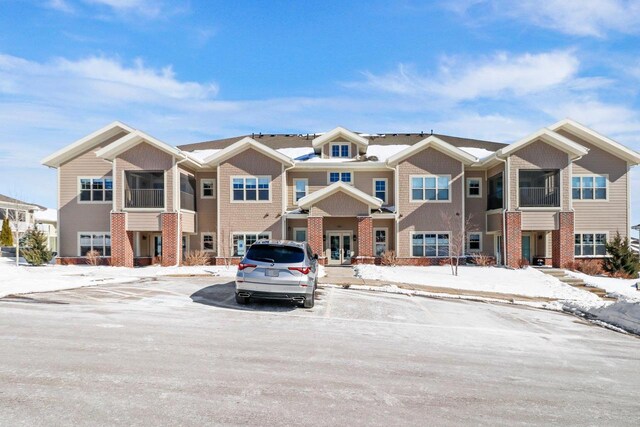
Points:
(612, 286)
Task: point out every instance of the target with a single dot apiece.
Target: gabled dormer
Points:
(340, 143)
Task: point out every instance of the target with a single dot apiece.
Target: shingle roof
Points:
(8, 199)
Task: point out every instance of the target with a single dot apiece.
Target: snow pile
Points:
(625, 287)
(624, 313)
(47, 215)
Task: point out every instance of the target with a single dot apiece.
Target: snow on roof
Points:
(480, 153)
(298, 153)
(48, 215)
(200, 155)
(383, 152)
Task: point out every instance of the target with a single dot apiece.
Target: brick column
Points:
(121, 241)
(171, 239)
(513, 239)
(365, 240)
(315, 232)
(563, 240)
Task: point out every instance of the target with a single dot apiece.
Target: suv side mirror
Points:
(315, 256)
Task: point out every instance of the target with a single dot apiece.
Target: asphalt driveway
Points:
(181, 352)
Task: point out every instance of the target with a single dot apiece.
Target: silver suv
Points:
(278, 269)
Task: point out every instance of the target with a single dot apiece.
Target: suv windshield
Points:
(276, 254)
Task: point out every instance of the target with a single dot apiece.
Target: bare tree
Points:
(459, 228)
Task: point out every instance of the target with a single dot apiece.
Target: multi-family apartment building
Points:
(555, 195)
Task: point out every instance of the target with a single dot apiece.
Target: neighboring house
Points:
(20, 214)
(47, 221)
(552, 196)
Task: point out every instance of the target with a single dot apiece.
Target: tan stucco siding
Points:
(427, 216)
(143, 221)
(364, 182)
(339, 204)
(74, 216)
(249, 216)
(295, 223)
(539, 155)
(539, 220)
(475, 207)
(610, 215)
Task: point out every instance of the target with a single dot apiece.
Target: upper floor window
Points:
(591, 244)
(430, 188)
(251, 189)
(340, 150)
(589, 187)
(346, 177)
(494, 192)
(380, 189)
(474, 187)
(96, 189)
(300, 188)
(208, 188)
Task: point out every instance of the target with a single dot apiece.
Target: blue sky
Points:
(197, 70)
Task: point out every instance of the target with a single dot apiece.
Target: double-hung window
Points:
(340, 150)
(251, 189)
(474, 242)
(300, 234)
(430, 188)
(379, 241)
(301, 186)
(99, 242)
(242, 241)
(209, 242)
(380, 189)
(474, 187)
(591, 244)
(208, 188)
(591, 187)
(96, 190)
(429, 244)
(346, 177)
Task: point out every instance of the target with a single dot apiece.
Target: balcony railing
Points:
(144, 198)
(539, 197)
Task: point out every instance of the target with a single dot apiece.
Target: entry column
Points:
(171, 239)
(513, 239)
(315, 233)
(563, 240)
(121, 241)
(365, 240)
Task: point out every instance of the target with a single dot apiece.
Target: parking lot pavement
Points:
(180, 351)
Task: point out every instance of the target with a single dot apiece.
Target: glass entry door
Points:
(339, 247)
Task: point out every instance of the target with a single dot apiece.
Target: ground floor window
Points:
(208, 241)
(474, 242)
(379, 241)
(242, 241)
(100, 242)
(430, 244)
(300, 234)
(591, 244)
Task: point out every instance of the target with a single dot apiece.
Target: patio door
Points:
(526, 247)
(339, 247)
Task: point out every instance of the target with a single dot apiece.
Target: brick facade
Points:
(563, 240)
(365, 241)
(315, 233)
(171, 244)
(121, 241)
(513, 239)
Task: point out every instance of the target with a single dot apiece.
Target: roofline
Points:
(308, 200)
(435, 142)
(565, 144)
(355, 165)
(349, 135)
(243, 144)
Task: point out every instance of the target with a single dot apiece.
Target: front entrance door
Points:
(526, 247)
(498, 245)
(157, 245)
(339, 247)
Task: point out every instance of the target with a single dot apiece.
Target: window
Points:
(474, 242)
(379, 241)
(494, 192)
(208, 188)
(96, 190)
(300, 234)
(589, 187)
(430, 188)
(591, 244)
(241, 241)
(251, 189)
(88, 241)
(301, 186)
(380, 189)
(208, 242)
(474, 187)
(430, 244)
(22, 216)
(340, 150)
(345, 177)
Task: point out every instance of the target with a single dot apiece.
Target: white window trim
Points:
(92, 233)
(340, 144)
(480, 188)
(99, 202)
(386, 188)
(594, 176)
(296, 229)
(257, 177)
(606, 233)
(386, 239)
(412, 200)
(474, 251)
(340, 172)
(211, 181)
(424, 245)
(213, 235)
(244, 233)
(306, 188)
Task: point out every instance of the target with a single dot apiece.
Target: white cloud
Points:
(464, 79)
(147, 8)
(60, 5)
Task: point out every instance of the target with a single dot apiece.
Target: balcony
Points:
(144, 198)
(539, 197)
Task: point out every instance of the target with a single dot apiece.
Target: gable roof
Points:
(70, 151)
(548, 136)
(436, 143)
(17, 202)
(597, 139)
(307, 201)
(242, 145)
(333, 134)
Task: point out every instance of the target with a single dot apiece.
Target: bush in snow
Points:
(93, 257)
(6, 236)
(196, 258)
(623, 261)
(592, 267)
(36, 251)
(388, 258)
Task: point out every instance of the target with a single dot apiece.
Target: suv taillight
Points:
(303, 270)
(242, 266)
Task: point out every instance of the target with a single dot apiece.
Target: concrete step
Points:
(569, 279)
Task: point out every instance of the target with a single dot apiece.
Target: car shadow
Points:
(224, 295)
